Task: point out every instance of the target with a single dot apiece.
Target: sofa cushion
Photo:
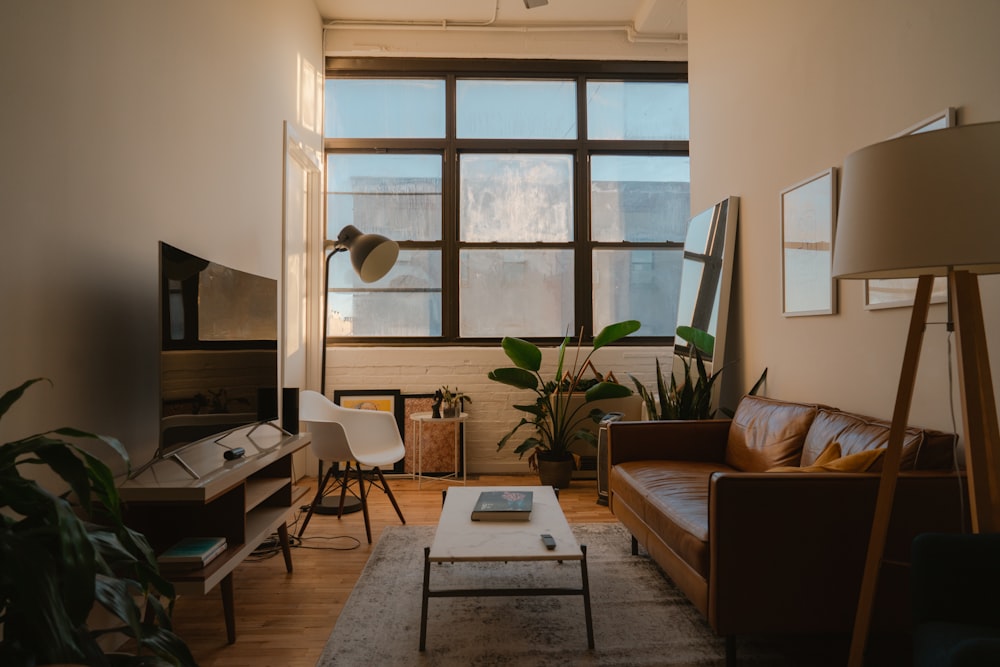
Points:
(767, 433)
(671, 498)
(855, 433)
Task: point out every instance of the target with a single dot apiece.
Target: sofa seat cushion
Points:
(766, 433)
(855, 434)
(671, 497)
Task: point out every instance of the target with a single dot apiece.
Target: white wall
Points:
(781, 90)
(125, 123)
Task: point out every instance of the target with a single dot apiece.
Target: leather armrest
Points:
(681, 440)
(806, 534)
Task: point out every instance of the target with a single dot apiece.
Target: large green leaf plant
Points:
(553, 422)
(61, 556)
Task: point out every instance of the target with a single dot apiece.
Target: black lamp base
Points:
(331, 505)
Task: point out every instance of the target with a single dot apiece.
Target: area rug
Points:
(639, 616)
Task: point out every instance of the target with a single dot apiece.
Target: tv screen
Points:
(219, 348)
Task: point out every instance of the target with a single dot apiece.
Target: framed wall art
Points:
(899, 292)
(384, 400)
(808, 214)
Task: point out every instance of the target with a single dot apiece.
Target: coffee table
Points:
(459, 538)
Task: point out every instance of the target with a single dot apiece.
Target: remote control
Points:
(234, 453)
(547, 540)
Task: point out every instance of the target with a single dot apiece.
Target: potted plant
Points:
(451, 401)
(693, 398)
(554, 422)
(58, 558)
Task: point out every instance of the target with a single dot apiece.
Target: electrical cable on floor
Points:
(271, 547)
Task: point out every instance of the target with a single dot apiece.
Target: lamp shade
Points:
(921, 204)
(372, 255)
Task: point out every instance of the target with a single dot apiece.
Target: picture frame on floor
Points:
(438, 457)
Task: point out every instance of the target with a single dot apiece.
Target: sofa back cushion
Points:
(858, 433)
(767, 433)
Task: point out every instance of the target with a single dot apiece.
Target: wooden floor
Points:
(284, 619)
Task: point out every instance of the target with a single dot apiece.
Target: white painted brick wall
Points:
(422, 370)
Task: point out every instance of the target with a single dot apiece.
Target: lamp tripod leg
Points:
(890, 471)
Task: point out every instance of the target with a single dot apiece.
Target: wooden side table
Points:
(421, 418)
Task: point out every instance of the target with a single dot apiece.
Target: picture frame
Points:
(438, 457)
(884, 293)
(383, 400)
(808, 218)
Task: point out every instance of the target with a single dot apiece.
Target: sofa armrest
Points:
(679, 440)
(780, 541)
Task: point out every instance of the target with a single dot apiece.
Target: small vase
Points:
(449, 411)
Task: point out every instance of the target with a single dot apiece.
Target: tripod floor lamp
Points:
(372, 257)
(926, 205)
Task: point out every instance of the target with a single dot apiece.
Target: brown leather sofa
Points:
(760, 551)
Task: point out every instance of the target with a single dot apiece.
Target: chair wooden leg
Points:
(388, 492)
(364, 503)
(316, 500)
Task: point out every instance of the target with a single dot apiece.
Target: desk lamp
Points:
(372, 256)
(925, 205)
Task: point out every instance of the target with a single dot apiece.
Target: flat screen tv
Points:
(218, 349)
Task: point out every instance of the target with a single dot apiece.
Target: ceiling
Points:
(661, 18)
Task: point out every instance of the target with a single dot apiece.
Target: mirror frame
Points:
(721, 248)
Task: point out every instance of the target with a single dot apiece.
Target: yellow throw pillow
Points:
(859, 462)
(830, 453)
(830, 460)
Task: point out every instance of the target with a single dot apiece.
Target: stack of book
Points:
(503, 506)
(192, 552)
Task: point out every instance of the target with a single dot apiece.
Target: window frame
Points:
(450, 148)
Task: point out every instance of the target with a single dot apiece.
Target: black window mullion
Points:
(583, 256)
(449, 224)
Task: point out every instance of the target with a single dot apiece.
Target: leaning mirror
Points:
(706, 282)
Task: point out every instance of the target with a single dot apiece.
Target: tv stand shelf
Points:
(245, 501)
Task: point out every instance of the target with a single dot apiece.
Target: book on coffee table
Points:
(193, 551)
(503, 506)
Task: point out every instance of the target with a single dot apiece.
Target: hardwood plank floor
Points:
(284, 619)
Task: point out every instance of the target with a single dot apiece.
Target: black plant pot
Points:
(556, 473)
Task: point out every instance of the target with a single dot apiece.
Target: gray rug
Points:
(640, 618)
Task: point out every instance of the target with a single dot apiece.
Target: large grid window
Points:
(529, 199)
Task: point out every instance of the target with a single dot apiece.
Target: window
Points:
(528, 199)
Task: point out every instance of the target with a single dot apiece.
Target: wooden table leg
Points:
(285, 546)
(423, 604)
(226, 587)
(586, 597)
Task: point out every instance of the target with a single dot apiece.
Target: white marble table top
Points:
(459, 538)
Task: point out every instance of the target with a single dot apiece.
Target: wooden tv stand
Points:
(244, 500)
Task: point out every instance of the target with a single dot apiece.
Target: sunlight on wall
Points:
(309, 107)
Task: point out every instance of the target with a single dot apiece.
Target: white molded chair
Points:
(342, 435)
